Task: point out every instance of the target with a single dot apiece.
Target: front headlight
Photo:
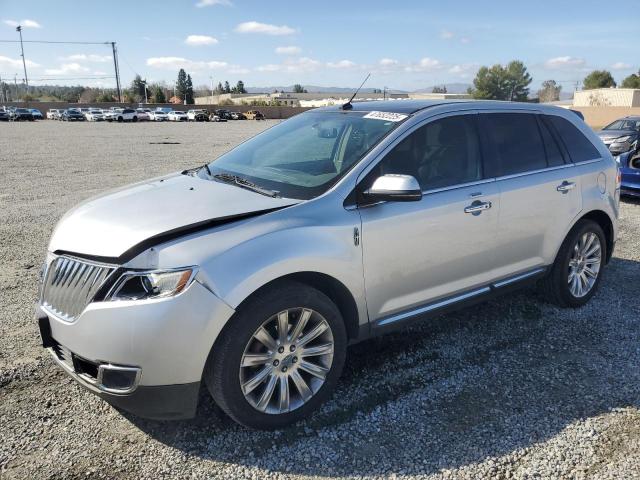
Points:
(622, 139)
(153, 284)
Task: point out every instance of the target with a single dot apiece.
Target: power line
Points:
(53, 41)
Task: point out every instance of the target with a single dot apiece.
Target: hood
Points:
(126, 221)
(615, 133)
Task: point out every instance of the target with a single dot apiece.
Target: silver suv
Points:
(253, 273)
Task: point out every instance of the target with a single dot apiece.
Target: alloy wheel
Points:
(286, 361)
(584, 265)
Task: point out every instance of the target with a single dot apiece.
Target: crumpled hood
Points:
(114, 223)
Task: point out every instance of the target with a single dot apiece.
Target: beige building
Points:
(290, 99)
(607, 97)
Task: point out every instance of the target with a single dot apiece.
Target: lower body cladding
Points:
(145, 357)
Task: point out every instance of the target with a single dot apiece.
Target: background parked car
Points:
(216, 118)
(622, 136)
(52, 114)
(94, 115)
(143, 114)
(223, 113)
(254, 115)
(72, 115)
(177, 116)
(197, 116)
(158, 116)
(4, 115)
(20, 114)
(238, 116)
(36, 114)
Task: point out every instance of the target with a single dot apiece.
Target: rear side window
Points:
(579, 147)
(554, 156)
(516, 141)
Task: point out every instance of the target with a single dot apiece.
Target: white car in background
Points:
(197, 116)
(143, 114)
(177, 116)
(94, 115)
(158, 116)
(53, 114)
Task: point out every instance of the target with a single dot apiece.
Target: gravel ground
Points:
(513, 388)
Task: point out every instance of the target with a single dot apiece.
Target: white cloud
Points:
(425, 64)
(621, 66)
(81, 57)
(174, 63)
(342, 64)
(211, 3)
(290, 50)
(564, 62)
(446, 35)
(463, 70)
(303, 64)
(264, 28)
(198, 40)
(388, 62)
(465, 40)
(7, 63)
(67, 68)
(26, 23)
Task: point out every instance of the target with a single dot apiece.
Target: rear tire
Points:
(575, 274)
(274, 400)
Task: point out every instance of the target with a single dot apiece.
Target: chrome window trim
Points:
(517, 278)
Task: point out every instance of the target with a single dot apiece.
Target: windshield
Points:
(626, 124)
(307, 154)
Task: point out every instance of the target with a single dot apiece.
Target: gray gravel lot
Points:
(513, 388)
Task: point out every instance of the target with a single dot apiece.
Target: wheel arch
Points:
(605, 222)
(333, 288)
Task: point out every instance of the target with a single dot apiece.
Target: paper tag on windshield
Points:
(387, 116)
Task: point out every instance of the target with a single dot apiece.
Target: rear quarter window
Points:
(515, 141)
(579, 147)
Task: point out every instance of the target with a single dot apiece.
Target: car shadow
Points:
(481, 383)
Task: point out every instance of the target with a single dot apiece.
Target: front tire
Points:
(279, 357)
(577, 270)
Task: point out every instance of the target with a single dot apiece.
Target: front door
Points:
(418, 252)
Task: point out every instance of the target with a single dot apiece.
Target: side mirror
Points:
(395, 188)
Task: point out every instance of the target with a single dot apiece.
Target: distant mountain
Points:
(451, 88)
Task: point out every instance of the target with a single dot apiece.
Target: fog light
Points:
(115, 379)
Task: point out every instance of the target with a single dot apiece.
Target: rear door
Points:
(539, 189)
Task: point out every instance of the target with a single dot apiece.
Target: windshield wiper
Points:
(244, 183)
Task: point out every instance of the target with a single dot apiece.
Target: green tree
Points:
(219, 89)
(510, 82)
(181, 85)
(297, 88)
(240, 87)
(550, 91)
(438, 89)
(158, 95)
(598, 79)
(227, 88)
(137, 89)
(189, 91)
(632, 81)
(105, 97)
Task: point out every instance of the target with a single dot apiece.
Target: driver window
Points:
(443, 153)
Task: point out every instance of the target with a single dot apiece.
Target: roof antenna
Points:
(348, 106)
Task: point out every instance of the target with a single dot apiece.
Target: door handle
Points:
(565, 186)
(477, 207)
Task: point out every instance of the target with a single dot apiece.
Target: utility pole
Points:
(211, 78)
(115, 66)
(24, 63)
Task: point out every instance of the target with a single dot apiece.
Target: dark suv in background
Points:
(622, 138)
(20, 115)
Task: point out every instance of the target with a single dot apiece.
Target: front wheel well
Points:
(332, 288)
(602, 219)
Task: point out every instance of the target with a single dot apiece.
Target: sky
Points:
(405, 45)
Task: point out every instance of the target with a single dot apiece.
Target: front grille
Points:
(71, 284)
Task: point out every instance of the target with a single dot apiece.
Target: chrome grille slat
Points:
(71, 284)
